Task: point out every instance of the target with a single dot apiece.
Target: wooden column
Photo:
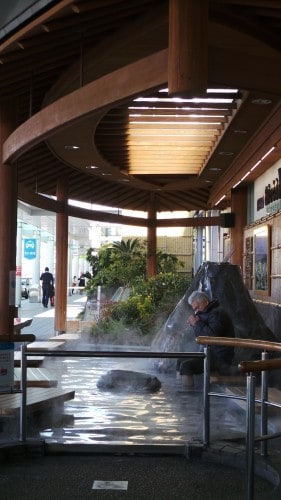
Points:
(8, 226)
(239, 207)
(188, 47)
(61, 259)
(151, 240)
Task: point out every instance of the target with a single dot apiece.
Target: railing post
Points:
(23, 394)
(264, 409)
(206, 397)
(250, 437)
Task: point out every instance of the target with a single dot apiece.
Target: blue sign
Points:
(30, 248)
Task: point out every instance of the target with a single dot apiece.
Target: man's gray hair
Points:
(200, 297)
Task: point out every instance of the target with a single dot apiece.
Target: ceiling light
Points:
(268, 153)
(246, 175)
(261, 102)
(222, 198)
(91, 167)
(214, 91)
(255, 165)
(237, 184)
(215, 169)
(71, 147)
(106, 173)
(226, 153)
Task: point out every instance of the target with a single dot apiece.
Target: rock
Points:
(126, 380)
(224, 282)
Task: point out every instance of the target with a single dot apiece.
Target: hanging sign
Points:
(30, 248)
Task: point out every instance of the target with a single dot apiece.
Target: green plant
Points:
(149, 299)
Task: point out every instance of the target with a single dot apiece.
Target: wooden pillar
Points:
(8, 226)
(239, 207)
(61, 258)
(151, 240)
(188, 47)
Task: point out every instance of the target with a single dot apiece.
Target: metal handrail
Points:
(262, 366)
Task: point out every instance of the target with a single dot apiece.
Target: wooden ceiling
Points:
(95, 73)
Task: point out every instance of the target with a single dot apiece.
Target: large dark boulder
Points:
(225, 283)
(127, 380)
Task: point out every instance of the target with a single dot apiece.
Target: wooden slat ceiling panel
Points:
(180, 159)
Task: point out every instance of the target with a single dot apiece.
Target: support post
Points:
(151, 240)
(61, 259)
(239, 207)
(188, 47)
(250, 436)
(206, 397)
(8, 226)
(264, 408)
(23, 394)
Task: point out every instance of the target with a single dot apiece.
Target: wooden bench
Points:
(217, 378)
(38, 400)
(41, 345)
(35, 377)
(274, 395)
(65, 337)
(30, 360)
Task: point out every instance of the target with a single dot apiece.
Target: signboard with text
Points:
(30, 248)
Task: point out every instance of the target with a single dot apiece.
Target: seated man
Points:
(209, 319)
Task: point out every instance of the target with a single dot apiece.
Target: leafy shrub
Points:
(149, 299)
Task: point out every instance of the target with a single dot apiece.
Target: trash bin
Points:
(34, 293)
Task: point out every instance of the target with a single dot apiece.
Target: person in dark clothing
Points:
(47, 286)
(209, 319)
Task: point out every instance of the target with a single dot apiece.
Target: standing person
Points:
(209, 319)
(47, 284)
(52, 295)
(74, 284)
(81, 282)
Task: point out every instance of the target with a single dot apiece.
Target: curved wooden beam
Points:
(105, 92)
(124, 83)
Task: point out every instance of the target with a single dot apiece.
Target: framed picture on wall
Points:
(262, 260)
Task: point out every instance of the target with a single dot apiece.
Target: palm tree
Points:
(128, 249)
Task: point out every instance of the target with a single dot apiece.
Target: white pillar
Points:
(51, 254)
(36, 272)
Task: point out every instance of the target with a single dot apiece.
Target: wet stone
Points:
(127, 380)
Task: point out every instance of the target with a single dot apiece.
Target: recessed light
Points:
(91, 167)
(106, 173)
(71, 147)
(226, 153)
(208, 182)
(215, 169)
(124, 180)
(261, 102)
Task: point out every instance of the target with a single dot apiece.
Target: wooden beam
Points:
(35, 23)
(188, 47)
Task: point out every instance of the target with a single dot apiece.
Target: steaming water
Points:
(169, 416)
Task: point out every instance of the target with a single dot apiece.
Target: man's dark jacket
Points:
(214, 321)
